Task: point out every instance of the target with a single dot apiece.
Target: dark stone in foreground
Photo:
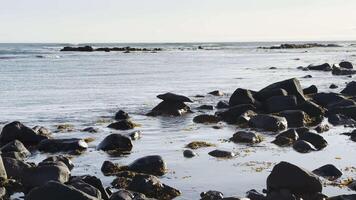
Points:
(268, 122)
(280, 103)
(322, 67)
(350, 89)
(206, 119)
(298, 181)
(62, 145)
(122, 125)
(221, 154)
(153, 165)
(170, 108)
(246, 137)
(117, 143)
(173, 97)
(315, 139)
(303, 146)
(328, 171)
(241, 96)
(189, 153)
(310, 90)
(17, 131)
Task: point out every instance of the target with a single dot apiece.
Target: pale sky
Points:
(79, 21)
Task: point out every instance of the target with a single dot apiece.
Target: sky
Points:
(78, 21)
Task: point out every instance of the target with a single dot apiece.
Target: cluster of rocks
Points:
(342, 69)
(108, 49)
(300, 46)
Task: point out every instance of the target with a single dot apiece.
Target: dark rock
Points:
(268, 122)
(333, 86)
(337, 71)
(62, 145)
(290, 133)
(307, 76)
(303, 146)
(222, 105)
(90, 130)
(57, 191)
(173, 97)
(328, 171)
(38, 176)
(15, 146)
(300, 46)
(60, 158)
(346, 65)
(336, 120)
(116, 143)
(312, 109)
(122, 195)
(246, 137)
(122, 125)
(325, 99)
(95, 182)
(40, 130)
(295, 118)
(232, 114)
(280, 103)
(170, 108)
(322, 67)
(348, 111)
(189, 153)
(206, 119)
(86, 188)
(14, 168)
(206, 107)
(342, 103)
(322, 128)
(350, 89)
(153, 165)
(241, 96)
(245, 117)
(290, 177)
(221, 154)
(343, 197)
(315, 139)
(282, 141)
(84, 49)
(263, 95)
(109, 168)
(17, 131)
(254, 195)
(216, 93)
(272, 68)
(199, 144)
(211, 195)
(292, 86)
(121, 115)
(310, 90)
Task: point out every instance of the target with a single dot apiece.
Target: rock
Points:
(241, 96)
(199, 144)
(310, 90)
(206, 119)
(189, 153)
(350, 89)
(292, 86)
(315, 139)
(109, 168)
(322, 128)
(272, 68)
(14, 168)
(221, 154)
(343, 197)
(254, 195)
(290, 133)
(122, 195)
(170, 108)
(328, 171)
(308, 76)
(232, 114)
(322, 67)
(337, 119)
(122, 125)
(303, 146)
(282, 141)
(280, 103)
(90, 130)
(15, 146)
(85, 49)
(173, 97)
(95, 182)
(211, 195)
(346, 65)
(312, 109)
(116, 143)
(86, 188)
(121, 115)
(325, 99)
(290, 177)
(347, 111)
(295, 118)
(65, 128)
(62, 145)
(333, 86)
(266, 94)
(216, 93)
(17, 131)
(246, 137)
(268, 122)
(222, 105)
(337, 71)
(40, 130)
(153, 165)
(340, 104)
(245, 117)
(57, 191)
(206, 107)
(300, 46)
(60, 158)
(38, 176)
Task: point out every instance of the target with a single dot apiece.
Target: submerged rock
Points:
(122, 125)
(116, 143)
(328, 171)
(246, 137)
(221, 154)
(322, 67)
(298, 181)
(206, 119)
(62, 145)
(17, 131)
(199, 144)
(268, 122)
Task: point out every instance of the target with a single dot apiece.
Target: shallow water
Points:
(41, 86)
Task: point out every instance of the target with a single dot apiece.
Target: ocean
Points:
(39, 85)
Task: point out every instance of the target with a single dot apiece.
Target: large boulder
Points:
(280, 103)
(170, 108)
(232, 114)
(263, 95)
(173, 97)
(268, 122)
(60, 158)
(346, 65)
(312, 109)
(17, 131)
(116, 143)
(15, 149)
(295, 118)
(328, 171)
(347, 111)
(86, 188)
(325, 99)
(246, 137)
(350, 89)
(57, 191)
(322, 67)
(154, 165)
(15, 168)
(62, 145)
(241, 96)
(292, 86)
(286, 176)
(95, 182)
(315, 139)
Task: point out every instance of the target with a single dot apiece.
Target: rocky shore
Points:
(109, 49)
(300, 46)
(295, 116)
